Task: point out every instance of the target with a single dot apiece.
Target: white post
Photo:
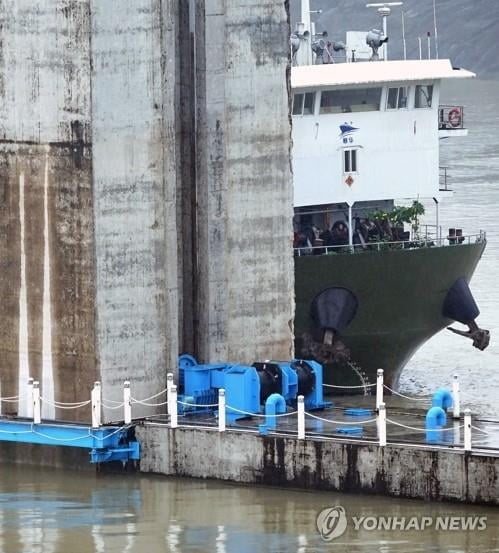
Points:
(0, 398)
(127, 403)
(456, 399)
(221, 410)
(37, 419)
(96, 405)
(172, 407)
(467, 430)
(169, 384)
(420, 48)
(382, 425)
(379, 388)
(301, 417)
(29, 399)
(350, 227)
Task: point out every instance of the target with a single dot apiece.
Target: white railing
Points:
(417, 243)
(97, 404)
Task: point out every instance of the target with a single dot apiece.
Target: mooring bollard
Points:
(169, 384)
(127, 403)
(172, 406)
(467, 430)
(221, 410)
(301, 417)
(379, 388)
(96, 398)
(37, 418)
(456, 400)
(29, 399)
(382, 425)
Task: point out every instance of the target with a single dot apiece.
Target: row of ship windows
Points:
(361, 99)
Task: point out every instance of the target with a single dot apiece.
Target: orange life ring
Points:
(455, 117)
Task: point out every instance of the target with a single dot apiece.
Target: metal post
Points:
(467, 430)
(456, 399)
(221, 410)
(96, 397)
(379, 388)
(350, 229)
(172, 407)
(429, 45)
(29, 399)
(382, 425)
(169, 384)
(420, 48)
(301, 417)
(403, 35)
(37, 419)
(437, 222)
(127, 403)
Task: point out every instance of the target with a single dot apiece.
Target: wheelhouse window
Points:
(350, 161)
(303, 104)
(424, 96)
(346, 101)
(397, 98)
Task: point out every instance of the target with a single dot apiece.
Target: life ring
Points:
(455, 117)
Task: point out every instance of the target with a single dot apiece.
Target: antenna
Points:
(436, 28)
(403, 35)
(384, 9)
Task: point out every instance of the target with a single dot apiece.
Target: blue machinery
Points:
(107, 443)
(248, 388)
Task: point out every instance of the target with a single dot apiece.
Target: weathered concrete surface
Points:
(45, 144)
(245, 304)
(400, 471)
(145, 161)
(135, 189)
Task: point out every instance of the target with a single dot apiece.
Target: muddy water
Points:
(58, 512)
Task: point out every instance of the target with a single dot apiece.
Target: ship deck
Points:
(405, 424)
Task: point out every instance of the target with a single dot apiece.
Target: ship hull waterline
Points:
(400, 295)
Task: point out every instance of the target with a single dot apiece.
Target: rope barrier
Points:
(370, 421)
(259, 414)
(154, 396)
(348, 387)
(197, 405)
(407, 397)
(482, 431)
(119, 406)
(9, 398)
(143, 402)
(61, 405)
(424, 429)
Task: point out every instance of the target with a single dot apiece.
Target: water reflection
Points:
(54, 511)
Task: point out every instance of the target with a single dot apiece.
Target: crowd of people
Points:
(310, 239)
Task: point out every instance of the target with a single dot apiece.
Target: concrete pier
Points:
(417, 472)
(145, 191)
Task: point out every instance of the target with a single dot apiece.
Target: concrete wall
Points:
(145, 191)
(400, 471)
(245, 281)
(134, 121)
(46, 238)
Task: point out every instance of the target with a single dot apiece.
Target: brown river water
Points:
(48, 511)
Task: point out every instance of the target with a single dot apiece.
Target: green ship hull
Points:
(400, 295)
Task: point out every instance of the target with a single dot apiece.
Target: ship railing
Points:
(426, 242)
(450, 117)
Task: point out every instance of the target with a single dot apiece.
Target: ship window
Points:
(397, 98)
(350, 161)
(303, 104)
(424, 95)
(346, 101)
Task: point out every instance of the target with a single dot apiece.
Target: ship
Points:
(372, 283)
